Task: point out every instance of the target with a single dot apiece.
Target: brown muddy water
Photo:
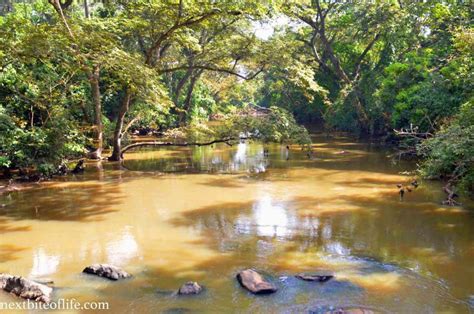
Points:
(202, 214)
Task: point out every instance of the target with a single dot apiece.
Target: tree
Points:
(160, 26)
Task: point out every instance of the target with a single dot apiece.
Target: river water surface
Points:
(173, 215)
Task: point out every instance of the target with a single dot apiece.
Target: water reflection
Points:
(271, 219)
(216, 159)
(121, 251)
(240, 155)
(43, 263)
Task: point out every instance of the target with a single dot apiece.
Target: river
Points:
(173, 215)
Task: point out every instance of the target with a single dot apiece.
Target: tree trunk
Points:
(86, 9)
(95, 88)
(180, 85)
(117, 141)
(360, 106)
(189, 94)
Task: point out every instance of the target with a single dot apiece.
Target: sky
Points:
(264, 30)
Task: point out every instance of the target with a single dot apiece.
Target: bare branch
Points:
(59, 9)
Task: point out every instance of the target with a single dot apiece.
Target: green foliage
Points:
(275, 125)
(37, 88)
(26, 147)
(450, 153)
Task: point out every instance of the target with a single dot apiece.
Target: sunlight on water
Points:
(44, 264)
(271, 219)
(124, 249)
(378, 282)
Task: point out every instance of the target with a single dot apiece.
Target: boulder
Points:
(25, 288)
(318, 278)
(191, 287)
(254, 282)
(107, 271)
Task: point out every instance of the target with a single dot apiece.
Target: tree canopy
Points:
(77, 77)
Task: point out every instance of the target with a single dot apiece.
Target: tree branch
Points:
(363, 54)
(214, 69)
(177, 25)
(185, 144)
(59, 9)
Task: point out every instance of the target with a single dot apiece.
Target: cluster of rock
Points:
(249, 279)
(25, 288)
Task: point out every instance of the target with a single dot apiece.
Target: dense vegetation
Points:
(79, 76)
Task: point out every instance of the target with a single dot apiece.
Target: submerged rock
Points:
(351, 310)
(25, 288)
(177, 310)
(319, 278)
(191, 287)
(107, 271)
(43, 281)
(254, 282)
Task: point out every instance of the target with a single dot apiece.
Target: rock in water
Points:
(191, 287)
(79, 168)
(319, 278)
(254, 282)
(26, 289)
(351, 310)
(106, 271)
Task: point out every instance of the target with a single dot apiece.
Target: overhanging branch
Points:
(185, 144)
(214, 69)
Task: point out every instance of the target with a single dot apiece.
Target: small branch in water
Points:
(413, 133)
(450, 200)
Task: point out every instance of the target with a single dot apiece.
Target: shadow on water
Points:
(6, 227)
(8, 252)
(223, 183)
(89, 202)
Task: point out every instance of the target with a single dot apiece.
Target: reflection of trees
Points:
(216, 158)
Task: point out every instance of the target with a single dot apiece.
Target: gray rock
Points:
(107, 271)
(25, 288)
(254, 282)
(191, 287)
(319, 278)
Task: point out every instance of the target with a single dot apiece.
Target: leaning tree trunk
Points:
(117, 141)
(180, 85)
(94, 81)
(359, 101)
